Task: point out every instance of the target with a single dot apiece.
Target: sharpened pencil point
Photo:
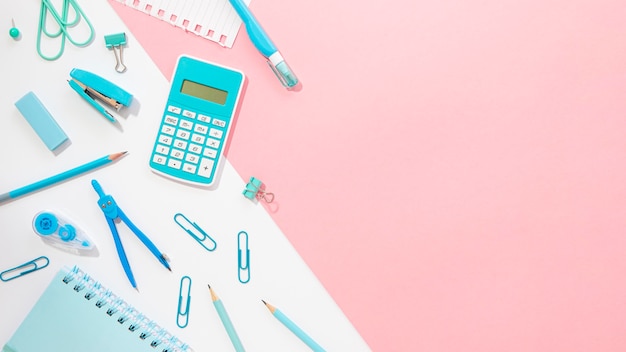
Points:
(117, 155)
(269, 306)
(166, 261)
(214, 297)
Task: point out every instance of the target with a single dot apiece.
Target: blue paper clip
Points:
(183, 314)
(255, 189)
(243, 266)
(188, 226)
(23, 269)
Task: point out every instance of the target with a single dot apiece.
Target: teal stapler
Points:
(92, 87)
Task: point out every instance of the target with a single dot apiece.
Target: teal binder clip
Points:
(116, 42)
(184, 295)
(255, 189)
(195, 231)
(243, 262)
(23, 269)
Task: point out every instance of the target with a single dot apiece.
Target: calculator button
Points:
(180, 144)
(165, 139)
(174, 164)
(186, 124)
(168, 130)
(192, 158)
(204, 118)
(159, 159)
(178, 154)
(219, 123)
(189, 168)
(161, 149)
(189, 114)
(197, 138)
(171, 120)
(206, 167)
(211, 153)
(215, 133)
(195, 148)
(183, 134)
(201, 129)
(213, 143)
(174, 109)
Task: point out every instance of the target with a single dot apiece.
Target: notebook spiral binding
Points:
(127, 316)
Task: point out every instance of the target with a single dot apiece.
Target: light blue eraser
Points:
(41, 121)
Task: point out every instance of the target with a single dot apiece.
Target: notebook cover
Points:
(63, 319)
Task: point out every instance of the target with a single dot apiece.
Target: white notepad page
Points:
(215, 20)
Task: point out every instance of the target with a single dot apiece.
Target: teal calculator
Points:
(196, 121)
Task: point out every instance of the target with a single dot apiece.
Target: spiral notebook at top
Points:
(215, 20)
(76, 314)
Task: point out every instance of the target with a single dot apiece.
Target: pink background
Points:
(453, 172)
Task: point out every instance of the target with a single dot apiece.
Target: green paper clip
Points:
(116, 42)
(189, 227)
(23, 269)
(62, 26)
(255, 189)
(243, 262)
(182, 315)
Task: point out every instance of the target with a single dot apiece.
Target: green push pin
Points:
(14, 32)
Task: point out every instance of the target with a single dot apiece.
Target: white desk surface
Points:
(278, 275)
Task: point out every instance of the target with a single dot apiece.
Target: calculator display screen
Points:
(201, 91)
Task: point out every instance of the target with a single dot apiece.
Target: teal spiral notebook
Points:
(76, 314)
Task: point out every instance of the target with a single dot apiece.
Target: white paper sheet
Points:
(215, 20)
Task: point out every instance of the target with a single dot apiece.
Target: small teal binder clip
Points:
(116, 42)
(255, 189)
(184, 295)
(195, 231)
(23, 269)
(243, 262)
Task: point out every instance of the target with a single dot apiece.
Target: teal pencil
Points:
(60, 177)
(228, 325)
(294, 328)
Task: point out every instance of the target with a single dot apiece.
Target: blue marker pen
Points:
(264, 45)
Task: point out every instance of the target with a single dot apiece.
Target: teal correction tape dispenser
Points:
(58, 231)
